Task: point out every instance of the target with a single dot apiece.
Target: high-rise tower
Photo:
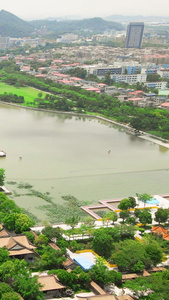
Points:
(134, 35)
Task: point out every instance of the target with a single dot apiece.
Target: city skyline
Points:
(82, 9)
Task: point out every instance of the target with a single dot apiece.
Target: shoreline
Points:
(146, 136)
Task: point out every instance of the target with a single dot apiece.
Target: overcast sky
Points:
(37, 9)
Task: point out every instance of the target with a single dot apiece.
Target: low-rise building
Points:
(130, 79)
(51, 287)
(161, 85)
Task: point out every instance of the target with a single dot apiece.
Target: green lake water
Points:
(64, 155)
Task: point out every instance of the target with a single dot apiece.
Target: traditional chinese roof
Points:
(159, 230)
(50, 283)
(16, 245)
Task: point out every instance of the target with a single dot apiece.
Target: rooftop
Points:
(83, 262)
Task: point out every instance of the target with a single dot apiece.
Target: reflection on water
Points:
(64, 154)
(163, 149)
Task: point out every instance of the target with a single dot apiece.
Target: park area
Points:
(29, 93)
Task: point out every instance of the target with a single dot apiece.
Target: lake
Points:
(63, 154)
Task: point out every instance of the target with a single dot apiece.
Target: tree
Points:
(137, 123)
(30, 236)
(4, 254)
(72, 221)
(108, 79)
(101, 275)
(7, 270)
(40, 94)
(137, 212)
(131, 220)
(50, 258)
(132, 201)
(41, 240)
(124, 204)
(9, 221)
(161, 215)
(23, 223)
(83, 229)
(112, 216)
(124, 214)
(78, 72)
(51, 232)
(154, 252)
(5, 288)
(153, 77)
(28, 287)
(102, 242)
(156, 285)
(144, 198)
(17, 273)
(2, 177)
(126, 231)
(145, 217)
(130, 256)
(11, 296)
(89, 222)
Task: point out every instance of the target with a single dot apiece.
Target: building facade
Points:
(134, 35)
(131, 79)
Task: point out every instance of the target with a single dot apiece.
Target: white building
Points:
(160, 85)
(131, 79)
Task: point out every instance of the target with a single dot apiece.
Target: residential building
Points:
(161, 85)
(130, 78)
(134, 35)
(101, 72)
(164, 73)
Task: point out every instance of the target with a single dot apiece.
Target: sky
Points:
(41, 9)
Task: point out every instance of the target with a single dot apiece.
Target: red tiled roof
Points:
(161, 231)
(166, 104)
(92, 89)
(134, 99)
(166, 237)
(75, 78)
(58, 61)
(53, 67)
(40, 75)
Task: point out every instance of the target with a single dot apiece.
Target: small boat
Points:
(2, 153)
(4, 190)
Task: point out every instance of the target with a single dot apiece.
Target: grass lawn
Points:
(28, 93)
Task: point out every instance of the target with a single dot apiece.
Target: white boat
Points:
(2, 153)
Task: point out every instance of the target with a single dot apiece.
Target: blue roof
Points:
(83, 262)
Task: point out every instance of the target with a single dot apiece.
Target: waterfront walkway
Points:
(154, 140)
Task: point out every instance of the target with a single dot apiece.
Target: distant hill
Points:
(139, 18)
(93, 25)
(11, 25)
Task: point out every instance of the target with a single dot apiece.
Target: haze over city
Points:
(94, 8)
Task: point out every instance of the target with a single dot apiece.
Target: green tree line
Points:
(71, 98)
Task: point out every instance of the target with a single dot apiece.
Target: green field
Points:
(28, 93)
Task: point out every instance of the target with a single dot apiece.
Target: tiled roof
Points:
(49, 283)
(159, 230)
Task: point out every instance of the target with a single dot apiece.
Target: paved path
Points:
(153, 140)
